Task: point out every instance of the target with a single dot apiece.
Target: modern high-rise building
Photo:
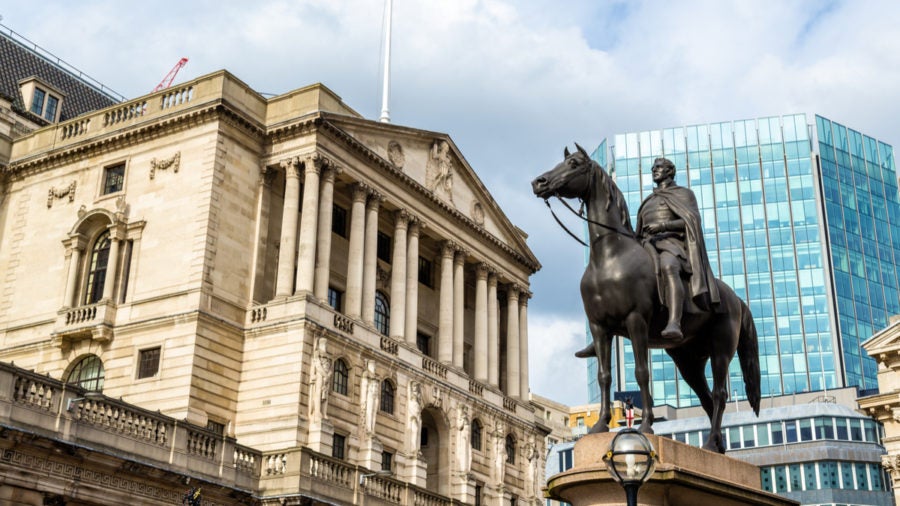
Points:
(801, 218)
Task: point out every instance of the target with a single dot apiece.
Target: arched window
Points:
(96, 276)
(510, 449)
(387, 397)
(88, 374)
(382, 313)
(340, 379)
(475, 435)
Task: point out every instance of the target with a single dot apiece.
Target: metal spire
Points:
(386, 85)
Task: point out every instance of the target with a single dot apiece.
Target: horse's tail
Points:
(748, 353)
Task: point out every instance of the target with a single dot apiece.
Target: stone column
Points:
(513, 381)
(370, 258)
(459, 308)
(355, 253)
(493, 331)
(266, 174)
(398, 276)
(323, 241)
(412, 283)
(112, 263)
(523, 344)
(285, 277)
(76, 243)
(445, 310)
(481, 323)
(309, 218)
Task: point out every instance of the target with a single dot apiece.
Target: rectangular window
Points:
(426, 272)
(37, 101)
(384, 247)
(148, 363)
(335, 299)
(339, 220)
(387, 461)
(50, 111)
(423, 343)
(113, 179)
(423, 437)
(337, 448)
(218, 428)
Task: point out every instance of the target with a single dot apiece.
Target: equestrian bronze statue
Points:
(654, 287)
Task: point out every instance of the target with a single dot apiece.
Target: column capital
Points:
(76, 241)
(116, 231)
(266, 174)
(481, 271)
(512, 290)
(291, 166)
(448, 248)
(524, 295)
(360, 192)
(330, 172)
(402, 218)
(375, 200)
(461, 255)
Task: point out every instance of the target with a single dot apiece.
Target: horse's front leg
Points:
(637, 331)
(602, 346)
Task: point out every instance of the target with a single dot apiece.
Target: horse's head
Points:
(571, 178)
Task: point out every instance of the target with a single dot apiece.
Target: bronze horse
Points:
(620, 298)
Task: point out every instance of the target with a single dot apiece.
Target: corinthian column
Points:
(458, 307)
(412, 283)
(284, 279)
(355, 253)
(445, 311)
(309, 217)
(493, 331)
(398, 275)
(112, 263)
(513, 381)
(481, 323)
(370, 259)
(323, 241)
(76, 243)
(523, 344)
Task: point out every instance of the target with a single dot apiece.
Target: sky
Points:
(512, 83)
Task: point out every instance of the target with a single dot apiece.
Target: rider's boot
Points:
(675, 300)
(586, 352)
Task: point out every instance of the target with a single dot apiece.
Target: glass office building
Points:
(801, 218)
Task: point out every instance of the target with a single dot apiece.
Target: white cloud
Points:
(554, 371)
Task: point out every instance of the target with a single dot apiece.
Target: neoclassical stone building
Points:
(273, 299)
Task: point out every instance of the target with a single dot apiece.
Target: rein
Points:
(580, 215)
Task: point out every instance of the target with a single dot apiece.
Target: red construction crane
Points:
(167, 81)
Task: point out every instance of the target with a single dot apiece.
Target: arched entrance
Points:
(435, 445)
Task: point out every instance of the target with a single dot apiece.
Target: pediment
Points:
(433, 161)
(886, 341)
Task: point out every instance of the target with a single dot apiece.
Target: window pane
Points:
(88, 373)
(50, 112)
(382, 313)
(113, 179)
(148, 363)
(37, 102)
(97, 269)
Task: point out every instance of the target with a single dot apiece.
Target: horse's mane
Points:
(614, 196)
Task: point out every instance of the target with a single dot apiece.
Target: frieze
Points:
(174, 163)
(58, 193)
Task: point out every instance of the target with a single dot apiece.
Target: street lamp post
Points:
(630, 461)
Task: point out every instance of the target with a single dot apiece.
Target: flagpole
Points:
(386, 85)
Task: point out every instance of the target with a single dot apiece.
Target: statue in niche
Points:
(414, 415)
(463, 445)
(499, 463)
(439, 171)
(320, 381)
(369, 395)
(478, 214)
(395, 154)
(533, 467)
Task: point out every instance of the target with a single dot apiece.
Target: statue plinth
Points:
(684, 476)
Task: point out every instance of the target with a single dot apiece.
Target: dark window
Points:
(513, 500)
(218, 428)
(382, 313)
(510, 449)
(148, 363)
(88, 374)
(426, 272)
(387, 461)
(339, 220)
(384, 247)
(37, 102)
(126, 268)
(478, 489)
(113, 178)
(337, 448)
(335, 299)
(423, 437)
(387, 397)
(96, 277)
(341, 375)
(52, 104)
(475, 435)
(423, 343)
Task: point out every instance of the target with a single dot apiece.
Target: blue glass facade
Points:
(802, 220)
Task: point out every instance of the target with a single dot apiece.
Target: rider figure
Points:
(668, 226)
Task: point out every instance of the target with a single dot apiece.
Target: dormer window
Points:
(44, 100)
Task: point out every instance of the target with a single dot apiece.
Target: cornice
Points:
(339, 134)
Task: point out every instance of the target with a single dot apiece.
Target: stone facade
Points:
(340, 296)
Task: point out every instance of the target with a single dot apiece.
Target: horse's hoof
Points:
(647, 430)
(586, 352)
(598, 428)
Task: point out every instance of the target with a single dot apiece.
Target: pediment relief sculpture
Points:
(395, 154)
(439, 170)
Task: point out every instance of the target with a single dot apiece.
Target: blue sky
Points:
(513, 82)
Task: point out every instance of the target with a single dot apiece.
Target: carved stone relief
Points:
(395, 154)
(172, 163)
(68, 191)
(477, 214)
(439, 170)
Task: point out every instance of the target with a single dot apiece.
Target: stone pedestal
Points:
(496, 496)
(413, 470)
(321, 436)
(371, 453)
(685, 476)
(463, 487)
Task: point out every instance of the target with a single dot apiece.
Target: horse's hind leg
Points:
(602, 347)
(637, 332)
(693, 370)
(720, 399)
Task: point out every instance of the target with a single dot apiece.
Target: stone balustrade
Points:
(91, 320)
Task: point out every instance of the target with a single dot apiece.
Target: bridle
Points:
(580, 214)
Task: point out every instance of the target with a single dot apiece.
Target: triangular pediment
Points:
(887, 340)
(433, 161)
